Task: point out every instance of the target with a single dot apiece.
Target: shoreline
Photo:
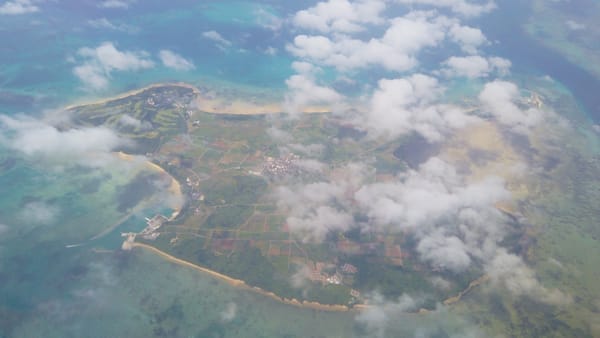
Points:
(174, 187)
(129, 93)
(240, 284)
(212, 105)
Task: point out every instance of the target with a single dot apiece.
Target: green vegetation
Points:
(234, 189)
(149, 118)
(390, 281)
(330, 294)
(232, 225)
(231, 216)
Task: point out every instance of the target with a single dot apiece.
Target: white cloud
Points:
(110, 58)
(468, 38)
(267, 19)
(271, 51)
(401, 106)
(452, 220)
(509, 271)
(39, 213)
(307, 149)
(340, 15)
(301, 278)
(311, 217)
(175, 61)
(16, 7)
(3, 229)
(99, 63)
(462, 7)
(310, 165)
(104, 23)
(318, 208)
(316, 223)
(440, 283)
(279, 135)
(475, 66)
(122, 4)
(304, 92)
(443, 251)
(92, 76)
(574, 25)
(499, 98)
(425, 196)
(378, 315)
(164, 192)
(130, 121)
(396, 50)
(216, 37)
(396, 318)
(229, 313)
(35, 138)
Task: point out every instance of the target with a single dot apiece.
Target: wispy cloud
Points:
(175, 61)
(304, 91)
(463, 7)
(104, 23)
(476, 66)
(396, 318)
(411, 104)
(341, 16)
(268, 20)
(509, 271)
(100, 62)
(41, 140)
(39, 213)
(229, 313)
(574, 25)
(396, 50)
(317, 208)
(3, 229)
(377, 317)
(218, 38)
(499, 98)
(122, 4)
(16, 7)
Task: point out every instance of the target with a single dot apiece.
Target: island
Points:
(230, 166)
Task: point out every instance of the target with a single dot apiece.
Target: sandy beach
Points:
(131, 93)
(210, 103)
(242, 285)
(174, 187)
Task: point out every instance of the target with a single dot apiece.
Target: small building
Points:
(335, 279)
(349, 269)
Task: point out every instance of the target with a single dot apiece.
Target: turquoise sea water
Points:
(39, 51)
(95, 290)
(530, 57)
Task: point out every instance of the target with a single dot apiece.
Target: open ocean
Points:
(95, 290)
